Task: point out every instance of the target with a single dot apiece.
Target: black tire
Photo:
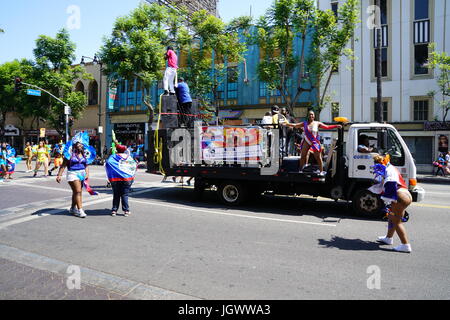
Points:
(367, 204)
(232, 193)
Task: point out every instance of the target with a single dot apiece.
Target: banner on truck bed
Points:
(231, 144)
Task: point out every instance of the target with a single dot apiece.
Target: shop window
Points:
(421, 149)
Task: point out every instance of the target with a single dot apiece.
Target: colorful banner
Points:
(231, 144)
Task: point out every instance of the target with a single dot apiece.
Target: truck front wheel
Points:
(367, 204)
(231, 193)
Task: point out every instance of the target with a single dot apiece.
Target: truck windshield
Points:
(382, 141)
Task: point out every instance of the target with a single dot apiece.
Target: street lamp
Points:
(96, 60)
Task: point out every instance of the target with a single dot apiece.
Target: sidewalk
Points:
(428, 178)
(21, 282)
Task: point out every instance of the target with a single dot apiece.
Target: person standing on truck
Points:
(311, 140)
(394, 192)
(170, 74)
(185, 103)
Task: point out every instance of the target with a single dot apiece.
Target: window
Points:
(334, 110)
(232, 87)
(420, 59)
(421, 149)
(421, 110)
(384, 63)
(421, 9)
(335, 8)
(262, 89)
(93, 93)
(384, 32)
(422, 36)
(384, 141)
(384, 111)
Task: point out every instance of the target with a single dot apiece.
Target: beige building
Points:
(93, 119)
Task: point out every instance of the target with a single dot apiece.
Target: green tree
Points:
(441, 62)
(315, 62)
(210, 45)
(137, 45)
(10, 101)
(55, 73)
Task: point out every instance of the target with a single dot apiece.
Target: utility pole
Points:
(378, 109)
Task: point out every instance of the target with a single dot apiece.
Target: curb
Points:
(436, 180)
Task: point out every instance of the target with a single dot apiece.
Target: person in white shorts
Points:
(170, 76)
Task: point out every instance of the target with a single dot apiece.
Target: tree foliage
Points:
(211, 45)
(138, 42)
(323, 41)
(441, 62)
(52, 70)
(137, 45)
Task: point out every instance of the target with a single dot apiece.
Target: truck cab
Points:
(363, 142)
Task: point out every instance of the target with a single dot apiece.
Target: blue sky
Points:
(88, 21)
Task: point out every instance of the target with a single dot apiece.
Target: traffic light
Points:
(62, 120)
(17, 84)
(70, 122)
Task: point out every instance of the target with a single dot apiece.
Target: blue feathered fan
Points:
(89, 151)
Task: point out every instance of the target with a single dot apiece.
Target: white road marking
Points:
(230, 214)
(64, 208)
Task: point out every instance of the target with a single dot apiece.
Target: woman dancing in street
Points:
(77, 172)
(42, 158)
(29, 155)
(394, 192)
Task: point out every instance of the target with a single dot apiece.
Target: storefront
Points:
(130, 133)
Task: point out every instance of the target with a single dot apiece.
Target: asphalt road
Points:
(174, 248)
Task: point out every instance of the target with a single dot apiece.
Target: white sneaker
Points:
(80, 214)
(386, 240)
(73, 211)
(406, 248)
(323, 173)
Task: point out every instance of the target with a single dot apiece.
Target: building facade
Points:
(408, 26)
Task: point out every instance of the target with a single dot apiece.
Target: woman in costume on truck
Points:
(311, 139)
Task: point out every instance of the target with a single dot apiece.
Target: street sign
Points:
(67, 110)
(32, 92)
(42, 133)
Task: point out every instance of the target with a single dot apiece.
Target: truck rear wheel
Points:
(231, 193)
(367, 204)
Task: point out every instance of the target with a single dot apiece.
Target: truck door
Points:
(377, 141)
(367, 143)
